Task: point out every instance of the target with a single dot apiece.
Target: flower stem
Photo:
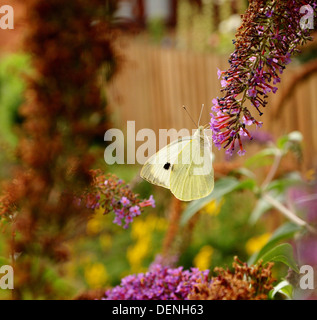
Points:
(288, 213)
(270, 176)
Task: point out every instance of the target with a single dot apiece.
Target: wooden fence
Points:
(155, 82)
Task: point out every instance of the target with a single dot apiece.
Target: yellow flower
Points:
(96, 275)
(255, 244)
(141, 232)
(94, 226)
(213, 207)
(139, 229)
(156, 223)
(105, 241)
(202, 260)
(99, 211)
(137, 253)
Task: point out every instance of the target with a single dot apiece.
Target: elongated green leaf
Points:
(286, 231)
(246, 172)
(263, 206)
(281, 253)
(248, 184)
(222, 187)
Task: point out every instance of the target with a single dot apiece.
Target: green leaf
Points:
(4, 260)
(281, 253)
(262, 158)
(248, 184)
(245, 172)
(284, 142)
(11, 87)
(291, 179)
(281, 142)
(276, 189)
(222, 187)
(261, 207)
(284, 288)
(286, 231)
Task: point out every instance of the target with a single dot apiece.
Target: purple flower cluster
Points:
(127, 211)
(112, 195)
(159, 283)
(260, 137)
(269, 35)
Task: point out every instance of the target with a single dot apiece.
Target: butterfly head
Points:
(200, 131)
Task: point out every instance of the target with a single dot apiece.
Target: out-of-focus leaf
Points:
(284, 142)
(260, 208)
(281, 142)
(281, 253)
(284, 288)
(248, 184)
(286, 231)
(222, 187)
(4, 261)
(246, 172)
(276, 189)
(263, 206)
(291, 179)
(12, 67)
(262, 158)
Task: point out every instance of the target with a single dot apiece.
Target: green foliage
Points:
(283, 288)
(157, 30)
(284, 232)
(226, 232)
(12, 69)
(222, 188)
(281, 253)
(240, 218)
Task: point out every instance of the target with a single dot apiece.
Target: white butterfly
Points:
(184, 166)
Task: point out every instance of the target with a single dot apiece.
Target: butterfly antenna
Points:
(201, 112)
(190, 116)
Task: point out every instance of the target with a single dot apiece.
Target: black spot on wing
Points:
(167, 165)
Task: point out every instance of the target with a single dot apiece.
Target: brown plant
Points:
(62, 117)
(243, 283)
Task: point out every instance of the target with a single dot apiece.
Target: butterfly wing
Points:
(192, 175)
(157, 169)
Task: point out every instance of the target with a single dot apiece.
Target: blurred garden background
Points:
(150, 58)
